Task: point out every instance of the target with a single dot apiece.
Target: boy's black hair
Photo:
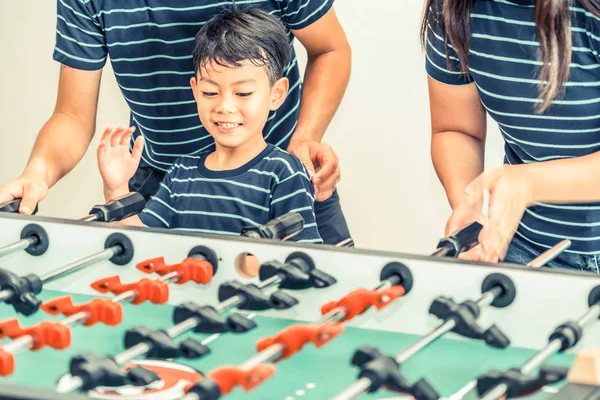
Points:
(236, 35)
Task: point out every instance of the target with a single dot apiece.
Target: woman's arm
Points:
(573, 180)
(458, 131)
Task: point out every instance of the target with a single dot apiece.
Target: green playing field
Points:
(310, 374)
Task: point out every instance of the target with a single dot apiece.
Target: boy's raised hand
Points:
(116, 163)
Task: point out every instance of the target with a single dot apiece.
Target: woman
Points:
(533, 65)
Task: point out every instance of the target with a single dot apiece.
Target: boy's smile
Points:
(225, 127)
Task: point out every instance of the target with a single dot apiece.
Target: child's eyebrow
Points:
(233, 84)
(209, 81)
(244, 81)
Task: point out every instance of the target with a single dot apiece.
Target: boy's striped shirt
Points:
(194, 198)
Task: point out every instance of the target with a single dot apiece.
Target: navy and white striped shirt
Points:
(194, 198)
(503, 63)
(149, 43)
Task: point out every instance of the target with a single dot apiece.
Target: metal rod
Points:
(355, 390)
(440, 252)
(424, 341)
(441, 330)
(69, 384)
(462, 392)
(7, 294)
(89, 218)
(183, 327)
(228, 304)
(334, 315)
(84, 262)
(20, 245)
(496, 392)
(591, 315)
(345, 243)
(132, 353)
(272, 281)
(489, 296)
(540, 356)
(75, 318)
(19, 344)
(387, 283)
(538, 359)
(268, 354)
(550, 254)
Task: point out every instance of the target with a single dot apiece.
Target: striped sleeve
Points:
(298, 14)
(295, 193)
(439, 52)
(80, 41)
(159, 211)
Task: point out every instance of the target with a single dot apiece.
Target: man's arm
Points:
(62, 141)
(326, 77)
(325, 81)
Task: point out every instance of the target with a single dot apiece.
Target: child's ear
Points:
(279, 92)
(194, 85)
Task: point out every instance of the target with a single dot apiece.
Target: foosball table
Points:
(100, 310)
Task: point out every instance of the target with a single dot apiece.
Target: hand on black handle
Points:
(12, 206)
(461, 240)
(118, 209)
(280, 228)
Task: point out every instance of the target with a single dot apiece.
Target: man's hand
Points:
(116, 164)
(29, 187)
(322, 165)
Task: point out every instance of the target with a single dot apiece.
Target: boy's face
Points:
(234, 103)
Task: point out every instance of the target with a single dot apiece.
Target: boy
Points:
(239, 60)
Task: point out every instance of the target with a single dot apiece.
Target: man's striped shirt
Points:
(194, 198)
(503, 63)
(149, 44)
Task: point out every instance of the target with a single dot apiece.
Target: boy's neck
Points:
(227, 158)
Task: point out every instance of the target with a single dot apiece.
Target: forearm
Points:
(131, 221)
(458, 159)
(325, 81)
(573, 180)
(110, 194)
(60, 145)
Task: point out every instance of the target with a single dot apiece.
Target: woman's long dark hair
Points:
(553, 29)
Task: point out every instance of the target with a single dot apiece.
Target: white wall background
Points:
(390, 194)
